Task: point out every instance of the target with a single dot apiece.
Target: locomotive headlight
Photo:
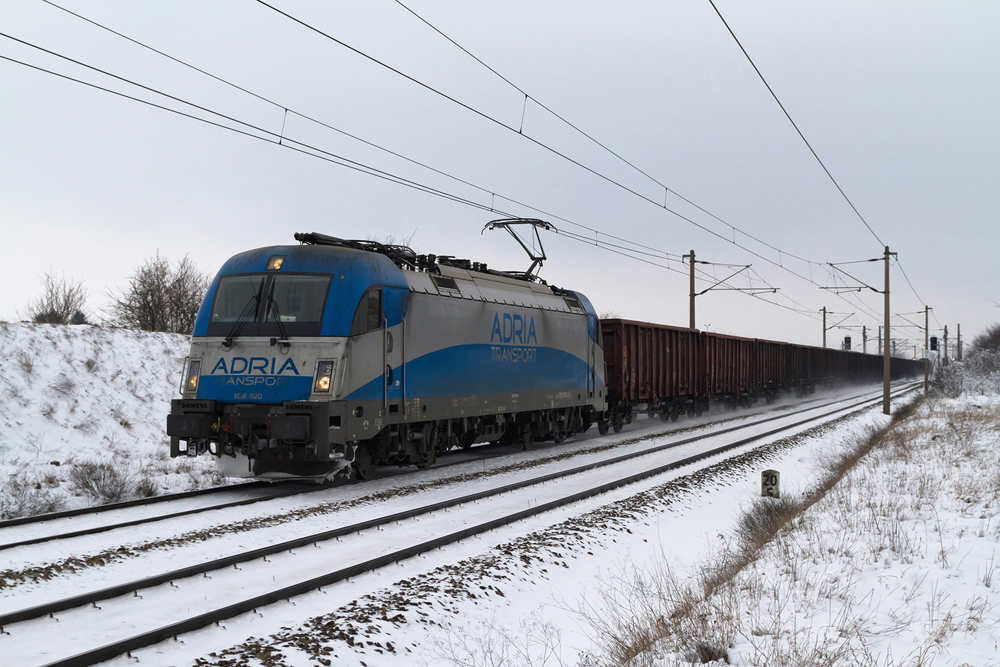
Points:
(192, 375)
(324, 376)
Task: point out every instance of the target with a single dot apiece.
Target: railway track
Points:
(124, 621)
(27, 531)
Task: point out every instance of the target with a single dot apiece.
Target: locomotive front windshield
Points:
(269, 305)
(297, 298)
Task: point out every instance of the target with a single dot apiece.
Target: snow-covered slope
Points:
(82, 417)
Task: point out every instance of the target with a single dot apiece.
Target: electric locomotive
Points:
(332, 356)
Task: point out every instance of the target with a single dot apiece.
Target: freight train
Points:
(334, 356)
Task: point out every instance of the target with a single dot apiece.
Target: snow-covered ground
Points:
(896, 565)
(522, 591)
(81, 403)
(893, 566)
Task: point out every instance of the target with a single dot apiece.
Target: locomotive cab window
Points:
(297, 298)
(237, 299)
(368, 316)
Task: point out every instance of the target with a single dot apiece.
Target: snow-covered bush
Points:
(110, 481)
(978, 373)
(982, 371)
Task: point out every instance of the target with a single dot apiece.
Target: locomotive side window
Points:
(374, 310)
(297, 298)
(368, 316)
(236, 299)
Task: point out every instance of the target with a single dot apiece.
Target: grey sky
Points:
(899, 99)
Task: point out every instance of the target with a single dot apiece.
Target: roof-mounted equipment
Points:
(536, 256)
(401, 255)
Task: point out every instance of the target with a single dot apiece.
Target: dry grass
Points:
(661, 617)
(63, 385)
(26, 364)
(24, 495)
(535, 643)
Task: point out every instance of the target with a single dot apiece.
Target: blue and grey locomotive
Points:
(330, 356)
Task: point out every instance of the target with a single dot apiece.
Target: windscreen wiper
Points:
(273, 303)
(242, 320)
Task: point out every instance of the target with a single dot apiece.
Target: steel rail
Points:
(161, 517)
(100, 654)
(51, 516)
(228, 561)
(197, 510)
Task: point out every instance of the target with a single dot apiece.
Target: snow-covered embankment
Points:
(82, 416)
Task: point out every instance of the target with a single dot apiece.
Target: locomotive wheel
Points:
(364, 463)
(617, 424)
(674, 415)
(602, 426)
(664, 415)
(527, 440)
(559, 437)
(429, 461)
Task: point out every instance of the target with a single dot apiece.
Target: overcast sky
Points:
(899, 99)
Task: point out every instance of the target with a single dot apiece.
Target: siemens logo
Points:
(513, 328)
(254, 365)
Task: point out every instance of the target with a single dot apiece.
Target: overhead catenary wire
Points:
(286, 110)
(312, 119)
(666, 188)
(305, 148)
(528, 96)
(866, 309)
(608, 179)
(789, 117)
(593, 139)
(275, 138)
(809, 145)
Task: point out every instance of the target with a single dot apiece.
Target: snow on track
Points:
(537, 569)
(237, 529)
(156, 606)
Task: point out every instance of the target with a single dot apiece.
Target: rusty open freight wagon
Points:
(656, 368)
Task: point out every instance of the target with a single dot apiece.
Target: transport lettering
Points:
(511, 354)
(513, 328)
(254, 366)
